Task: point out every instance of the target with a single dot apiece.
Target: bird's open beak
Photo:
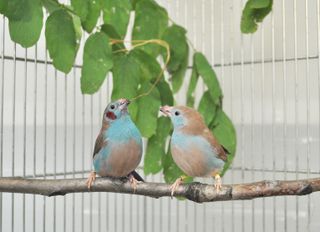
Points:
(166, 110)
(124, 103)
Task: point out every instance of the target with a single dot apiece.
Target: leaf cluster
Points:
(134, 71)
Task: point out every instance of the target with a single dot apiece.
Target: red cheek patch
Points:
(111, 115)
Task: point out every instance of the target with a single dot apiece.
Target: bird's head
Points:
(182, 116)
(115, 110)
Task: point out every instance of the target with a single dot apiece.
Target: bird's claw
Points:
(91, 179)
(217, 183)
(175, 185)
(133, 182)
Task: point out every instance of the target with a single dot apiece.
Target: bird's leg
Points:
(133, 182)
(91, 179)
(176, 184)
(217, 182)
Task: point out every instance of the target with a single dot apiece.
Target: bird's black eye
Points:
(177, 113)
(112, 107)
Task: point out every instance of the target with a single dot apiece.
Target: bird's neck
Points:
(121, 129)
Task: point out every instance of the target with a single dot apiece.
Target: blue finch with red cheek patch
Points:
(194, 148)
(118, 148)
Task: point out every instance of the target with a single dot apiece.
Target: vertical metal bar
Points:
(45, 132)
(212, 30)
(153, 228)
(65, 147)
(194, 26)
(252, 129)
(231, 104)
(177, 203)
(83, 160)
(204, 208)
(284, 107)
(262, 126)
(107, 196)
(35, 131)
(24, 137)
(222, 83)
(55, 145)
(91, 149)
(318, 35)
(296, 106)
(74, 147)
(13, 129)
(144, 212)
(308, 108)
(273, 117)
(2, 101)
(99, 194)
(242, 125)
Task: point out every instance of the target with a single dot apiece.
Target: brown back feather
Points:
(197, 126)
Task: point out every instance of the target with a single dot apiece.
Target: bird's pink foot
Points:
(133, 182)
(175, 185)
(91, 179)
(217, 183)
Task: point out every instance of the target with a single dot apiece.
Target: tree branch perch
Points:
(195, 191)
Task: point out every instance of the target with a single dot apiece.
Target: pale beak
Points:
(166, 110)
(124, 103)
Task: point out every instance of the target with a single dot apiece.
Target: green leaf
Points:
(3, 6)
(117, 14)
(254, 11)
(25, 21)
(166, 95)
(206, 108)
(112, 33)
(192, 84)
(126, 76)
(81, 7)
(97, 62)
(259, 3)
(132, 69)
(175, 36)
(152, 158)
(51, 5)
(148, 109)
(156, 147)
(93, 14)
(61, 37)
(178, 76)
(150, 22)
(224, 131)
(209, 77)
(150, 68)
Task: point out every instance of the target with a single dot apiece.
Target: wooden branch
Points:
(195, 191)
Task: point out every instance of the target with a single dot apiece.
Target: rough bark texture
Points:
(195, 191)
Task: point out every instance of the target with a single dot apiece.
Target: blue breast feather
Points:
(186, 142)
(119, 132)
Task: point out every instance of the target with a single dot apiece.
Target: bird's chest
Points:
(122, 153)
(191, 154)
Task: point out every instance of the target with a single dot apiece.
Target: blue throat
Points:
(122, 130)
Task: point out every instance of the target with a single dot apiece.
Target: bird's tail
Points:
(136, 176)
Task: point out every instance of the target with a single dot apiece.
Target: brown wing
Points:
(197, 126)
(100, 142)
(221, 152)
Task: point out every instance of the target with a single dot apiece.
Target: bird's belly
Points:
(119, 159)
(191, 161)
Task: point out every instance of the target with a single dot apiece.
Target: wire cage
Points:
(271, 86)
